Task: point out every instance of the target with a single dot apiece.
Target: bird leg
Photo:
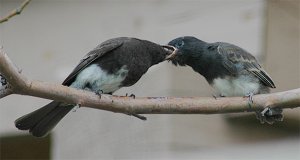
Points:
(250, 97)
(214, 96)
(220, 95)
(250, 102)
(99, 92)
(132, 95)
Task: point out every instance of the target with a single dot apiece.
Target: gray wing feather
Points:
(234, 55)
(96, 53)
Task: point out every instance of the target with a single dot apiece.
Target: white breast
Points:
(98, 79)
(240, 86)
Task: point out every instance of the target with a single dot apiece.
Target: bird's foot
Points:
(132, 95)
(99, 92)
(270, 115)
(249, 96)
(214, 96)
(250, 99)
(220, 95)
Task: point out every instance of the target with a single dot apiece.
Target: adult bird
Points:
(229, 69)
(113, 64)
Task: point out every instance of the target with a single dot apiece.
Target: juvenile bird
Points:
(113, 64)
(229, 69)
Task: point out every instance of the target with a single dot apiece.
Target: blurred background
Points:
(50, 37)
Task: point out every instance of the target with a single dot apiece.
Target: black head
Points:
(188, 48)
(155, 53)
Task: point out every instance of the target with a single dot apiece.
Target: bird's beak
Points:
(172, 50)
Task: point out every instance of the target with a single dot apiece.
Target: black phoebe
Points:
(229, 69)
(113, 64)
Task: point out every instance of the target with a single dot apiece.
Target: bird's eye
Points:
(180, 44)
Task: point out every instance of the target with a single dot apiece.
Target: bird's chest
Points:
(236, 86)
(96, 79)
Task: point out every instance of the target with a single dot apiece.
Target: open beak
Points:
(172, 50)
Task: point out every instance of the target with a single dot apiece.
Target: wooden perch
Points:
(19, 84)
(15, 11)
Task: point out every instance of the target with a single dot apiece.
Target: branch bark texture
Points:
(19, 84)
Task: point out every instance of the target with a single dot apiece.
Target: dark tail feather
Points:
(41, 121)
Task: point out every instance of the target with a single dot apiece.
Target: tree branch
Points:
(19, 84)
(15, 11)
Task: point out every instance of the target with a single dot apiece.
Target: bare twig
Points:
(15, 11)
(142, 105)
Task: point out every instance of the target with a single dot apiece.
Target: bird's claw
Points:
(214, 96)
(270, 115)
(250, 97)
(220, 95)
(132, 95)
(99, 92)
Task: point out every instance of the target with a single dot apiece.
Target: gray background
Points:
(49, 38)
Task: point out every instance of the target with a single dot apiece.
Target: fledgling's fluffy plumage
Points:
(113, 64)
(229, 69)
